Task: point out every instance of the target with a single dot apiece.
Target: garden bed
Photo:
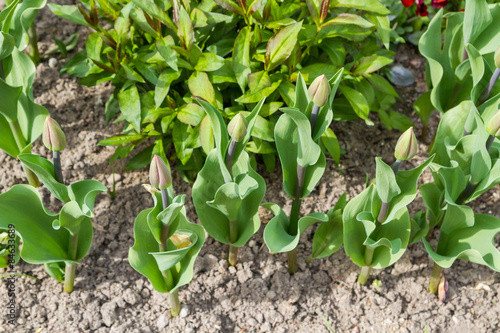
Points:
(258, 295)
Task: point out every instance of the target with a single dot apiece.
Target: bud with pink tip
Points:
(159, 173)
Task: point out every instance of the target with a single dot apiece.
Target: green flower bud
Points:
(159, 173)
(53, 137)
(493, 127)
(406, 147)
(237, 127)
(497, 57)
(320, 90)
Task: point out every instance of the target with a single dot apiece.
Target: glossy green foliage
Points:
(147, 258)
(21, 119)
(159, 56)
(298, 149)
(46, 235)
(389, 238)
(329, 236)
(468, 236)
(222, 196)
(460, 67)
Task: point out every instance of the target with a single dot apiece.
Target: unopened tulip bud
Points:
(442, 288)
(237, 127)
(493, 127)
(406, 147)
(180, 241)
(320, 90)
(497, 57)
(53, 137)
(159, 173)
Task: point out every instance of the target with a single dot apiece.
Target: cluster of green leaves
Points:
(21, 119)
(155, 263)
(47, 236)
(303, 163)
(227, 195)
(160, 54)
(464, 169)
(467, 156)
(460, 60)
(374, 241)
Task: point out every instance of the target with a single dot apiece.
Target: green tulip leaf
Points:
(467, 236)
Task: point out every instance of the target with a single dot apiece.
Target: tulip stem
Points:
(491, 84)
(233, 250)
(57, 166)
(314, 117)
(396, 166)
(164, 230)
(230, 155)
(491, 138)
(69, 272)
(435, 278)
(292, 261)
(175, 304)
(33, 40)
(293, 226)
(167, 275)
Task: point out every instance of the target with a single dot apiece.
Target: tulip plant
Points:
(21, 119)
(166, 243)
(227, 192)
(59, 241)
(460, 60)
(298, 133)
(467, 162)
(467, 166)
(376, 222)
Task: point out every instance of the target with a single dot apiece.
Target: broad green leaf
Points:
(476, 18)
(167, 76)
(200, 86)
(206, 135)
(371, 64)
(70, 13)
(163, 45)
(280, 46)
(331, 143)
(373, 6)
(185, 31)
(41, 242)
(45, 172)
(241, 57)
(276, 234)
(468, 236)
(357, 101)
(190, 114)
(387, 187)
(209, 62)
(130, 105)
(120, 140)
(345, 18)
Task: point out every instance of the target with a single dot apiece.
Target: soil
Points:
(258, 295)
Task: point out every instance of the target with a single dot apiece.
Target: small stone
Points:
(130, 296)
(184, 311)
(108, 313)
(53, 62)
(209, 262)
(162, 322)
(232, 269)
(117, 178)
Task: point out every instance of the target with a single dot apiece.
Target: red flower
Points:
(439, 3)
(422, 8)
(408, 3)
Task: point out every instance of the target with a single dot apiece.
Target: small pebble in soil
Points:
(52, 62)
(184, 311)
(162, 321)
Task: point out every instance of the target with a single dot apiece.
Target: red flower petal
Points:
(439, 3)
(408, 3)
